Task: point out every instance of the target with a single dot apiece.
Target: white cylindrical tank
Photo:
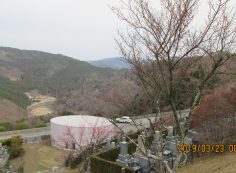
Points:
(75, 131)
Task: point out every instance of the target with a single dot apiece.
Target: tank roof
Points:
(81, 121)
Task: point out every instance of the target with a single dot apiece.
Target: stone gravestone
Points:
(140, 141)
(144, 164)
(139, 151)
(113, 144)
(156, 144)
(108, 145)
(172, 142)
(168, 156)
(124, 148)
(188, 140)
(170, 136)
(172, 146)
(171, 149)
(123, 156)
(170, 131)
(157, 136)
(118, 140)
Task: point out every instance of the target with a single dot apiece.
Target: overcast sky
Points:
(82, 29)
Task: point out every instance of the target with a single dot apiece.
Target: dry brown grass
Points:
(39, 111)
(43, 107)
(218, 164)
(44, 98)
(39, 157)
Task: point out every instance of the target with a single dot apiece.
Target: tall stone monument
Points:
(140, 151)
(123, 156)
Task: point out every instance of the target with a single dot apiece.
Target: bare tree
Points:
(165, 48)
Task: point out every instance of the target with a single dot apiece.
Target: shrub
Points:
(65, 113)
(148, 141)
(16, 141)
(99, 165)
(5, 127)
(164, 133)
(6, 142)
(2, 129)
(39, 123)
(73, 162)
(22, 125)
(105, 162)
(15, 152)
(111, 154)
(134, 135)
(14, 145)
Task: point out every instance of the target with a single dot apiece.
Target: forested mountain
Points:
(48, 72)
(51, 74)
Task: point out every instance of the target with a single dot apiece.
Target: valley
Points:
(54, 77)
(36, 86)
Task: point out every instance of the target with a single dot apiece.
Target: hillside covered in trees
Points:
(77, 85)
(52, 74)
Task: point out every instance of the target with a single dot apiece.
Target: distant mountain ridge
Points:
(114, 63)
(42, 69)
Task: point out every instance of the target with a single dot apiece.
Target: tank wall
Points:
(74, 137)
(57, 132)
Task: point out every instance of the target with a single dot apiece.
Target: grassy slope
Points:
(36, 157)
(219, 164)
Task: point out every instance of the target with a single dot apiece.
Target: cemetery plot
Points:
(139, 159)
